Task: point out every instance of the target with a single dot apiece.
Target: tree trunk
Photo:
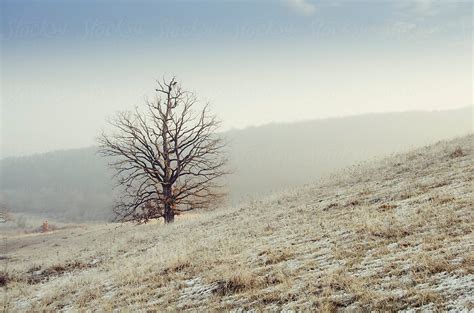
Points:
(169, 212)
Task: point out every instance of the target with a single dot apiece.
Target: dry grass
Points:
(394, 236)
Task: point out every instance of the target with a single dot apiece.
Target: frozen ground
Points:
(392, 234)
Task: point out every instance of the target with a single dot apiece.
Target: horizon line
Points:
(274, 123)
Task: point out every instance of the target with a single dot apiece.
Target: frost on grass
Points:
(395, 235)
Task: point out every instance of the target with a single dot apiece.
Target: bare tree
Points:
(168, 158)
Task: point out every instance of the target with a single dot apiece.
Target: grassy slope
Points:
(392, 235)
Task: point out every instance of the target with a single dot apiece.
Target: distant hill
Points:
(76, 185)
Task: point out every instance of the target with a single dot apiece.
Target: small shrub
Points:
(177, 266)
(387, 207)
(38, 275)
(457, 153)
(45, 227)
(331, 206)
(236, 283)
(274, 257)
(3, 279)
(353, 203)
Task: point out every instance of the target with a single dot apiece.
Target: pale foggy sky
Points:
(66, 67)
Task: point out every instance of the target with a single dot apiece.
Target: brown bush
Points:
(458, 152)
(3, 279)
(237, 283)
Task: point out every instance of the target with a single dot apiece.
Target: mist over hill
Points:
(76, 184)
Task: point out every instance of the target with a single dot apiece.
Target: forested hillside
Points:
(76, 185)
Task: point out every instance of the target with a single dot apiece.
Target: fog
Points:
(75, 185)
(302, 88)
(67, 67)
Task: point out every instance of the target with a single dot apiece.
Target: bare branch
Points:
(167, 159)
